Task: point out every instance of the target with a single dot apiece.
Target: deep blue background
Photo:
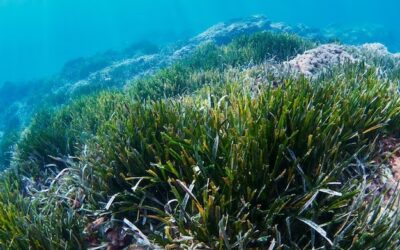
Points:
(38, 36)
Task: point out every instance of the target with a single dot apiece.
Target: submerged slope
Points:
(117, 68)
(113, 69)
(226, 148)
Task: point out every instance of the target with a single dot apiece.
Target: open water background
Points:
(38, 36)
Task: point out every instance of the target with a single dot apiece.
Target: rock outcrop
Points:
(223, 33)
(316, 61)
(376, 50)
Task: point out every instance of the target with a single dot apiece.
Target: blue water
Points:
(38, 36)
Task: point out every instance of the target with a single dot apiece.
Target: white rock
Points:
(315, 61)
(224, 32)
(377, 48)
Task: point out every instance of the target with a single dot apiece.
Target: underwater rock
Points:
(301, 30)
(375, 48)
(117, 74)
(281, 26)
(376, 54)
(316, 61)
(223, 33)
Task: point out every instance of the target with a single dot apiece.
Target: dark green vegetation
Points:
(206, 65)
(210, 154)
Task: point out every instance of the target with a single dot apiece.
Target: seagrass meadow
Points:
(226, 148)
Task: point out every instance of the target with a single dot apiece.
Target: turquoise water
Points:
(38, 36)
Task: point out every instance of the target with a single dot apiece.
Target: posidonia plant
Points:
(205, 155)
(235, 171)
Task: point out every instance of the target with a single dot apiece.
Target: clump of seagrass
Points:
(191, 158)
(240, 176)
